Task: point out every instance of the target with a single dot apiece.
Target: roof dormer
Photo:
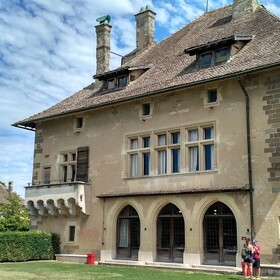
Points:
(219, 51)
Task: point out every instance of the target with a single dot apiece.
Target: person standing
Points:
(257, 258)
(248, 269)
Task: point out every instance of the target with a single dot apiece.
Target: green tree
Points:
(13, 215)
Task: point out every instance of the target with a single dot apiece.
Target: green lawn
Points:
(52, 270)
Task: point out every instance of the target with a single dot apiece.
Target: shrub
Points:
(24, 246)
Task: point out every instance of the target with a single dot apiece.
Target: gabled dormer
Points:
(219, 51)
(120, 77)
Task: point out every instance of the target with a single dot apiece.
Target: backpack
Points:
(245, 254)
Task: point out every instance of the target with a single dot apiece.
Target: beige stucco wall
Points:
(105, 133)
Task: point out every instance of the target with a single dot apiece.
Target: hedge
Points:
(30, 245)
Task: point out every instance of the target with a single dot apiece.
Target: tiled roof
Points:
(3, 193)
(171, 67)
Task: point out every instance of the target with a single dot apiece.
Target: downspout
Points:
(249, 157)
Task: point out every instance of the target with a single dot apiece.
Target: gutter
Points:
(251, 189)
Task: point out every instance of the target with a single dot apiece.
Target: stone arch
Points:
(170, 233)
(151, 219)
(219, 233)
(111, 221)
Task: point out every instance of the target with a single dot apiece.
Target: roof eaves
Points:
(29, 124)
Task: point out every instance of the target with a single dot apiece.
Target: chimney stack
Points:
(10, 186)
(145, 21)
(242, 8)
(103, 31)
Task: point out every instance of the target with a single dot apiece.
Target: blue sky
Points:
(47, 52)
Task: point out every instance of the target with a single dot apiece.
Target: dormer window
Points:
(206, 59)
(214, 57)
(218, 51)
(122, 81)
(221, 55)
(111, 83)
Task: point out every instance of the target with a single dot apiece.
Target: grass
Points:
(52, 270)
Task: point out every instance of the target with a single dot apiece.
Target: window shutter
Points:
(82, 164)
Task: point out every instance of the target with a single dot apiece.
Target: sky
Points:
(47, 53)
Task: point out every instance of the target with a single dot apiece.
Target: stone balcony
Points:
(68, 199)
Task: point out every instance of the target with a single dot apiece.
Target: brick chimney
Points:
(103, 31)
(145, 21)
(242, 8)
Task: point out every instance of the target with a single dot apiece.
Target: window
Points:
(118, 81)
(47, 175)
(146, 109)
(168, 152)
(140, 160)
(221, 55)
(72, 233)
(79, 122)
(205, 59)
(201, 148)
(111, 83)
(185, 149)
(215, 57)
(68, 167)
(122, 81)
(212, 95)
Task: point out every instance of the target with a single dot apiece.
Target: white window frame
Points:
(201, 143)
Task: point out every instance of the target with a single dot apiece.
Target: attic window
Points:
(212, 95)
(111, 83)
(79, 122)
(206, 59)
(146, 109)
(122, 81)
(214, 57)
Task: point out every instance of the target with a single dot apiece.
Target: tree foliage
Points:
(13, 215)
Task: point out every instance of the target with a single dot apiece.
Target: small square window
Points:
(146, 109)
(212, 95)
(79, 122)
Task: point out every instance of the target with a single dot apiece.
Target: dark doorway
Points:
(220, 235)
(170, 235)
(128, 234)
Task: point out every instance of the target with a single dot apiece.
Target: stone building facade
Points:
(173, 156)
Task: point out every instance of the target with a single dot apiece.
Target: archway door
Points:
(128, 234)
(170, 234)
(220, 235)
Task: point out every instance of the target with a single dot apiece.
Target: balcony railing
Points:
(66, 198)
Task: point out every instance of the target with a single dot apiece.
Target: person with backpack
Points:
(247, 255)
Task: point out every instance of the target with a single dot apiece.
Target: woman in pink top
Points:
(257, 258)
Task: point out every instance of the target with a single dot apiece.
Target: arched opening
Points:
(220, 235)
(170, 234)
(128, 234)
